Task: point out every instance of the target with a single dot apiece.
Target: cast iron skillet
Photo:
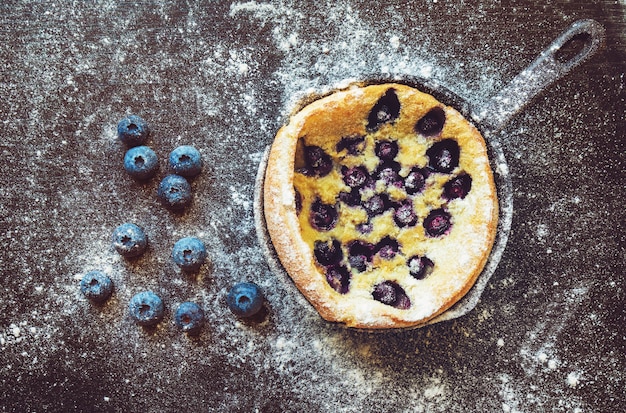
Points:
(575, 45)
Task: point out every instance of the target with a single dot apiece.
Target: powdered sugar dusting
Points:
(349, 54)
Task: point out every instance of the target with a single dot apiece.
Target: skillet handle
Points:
(575, 45)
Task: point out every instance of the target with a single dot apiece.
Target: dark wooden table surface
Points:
(548, 334)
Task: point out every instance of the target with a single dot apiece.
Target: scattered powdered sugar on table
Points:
(355, 51)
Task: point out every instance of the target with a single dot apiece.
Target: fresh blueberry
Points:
(358, 262)
(432, 122)
(365, 227)
(141, 162)
(390, 293)
(387, 248)
(318, 162)
(186, 161)
(386, 150)
(96, 286)
(376, 205)
(360, 254)
(338, 277)
(323, 216)
(359, 247)
(146, 308)
(245, 299)
(129, 240)
(390, 177)
(352, 198)
(328, 252)
(414, 181)
(189, 253)
(132, 130)
(388, 172)
(354, 145)
(457, 187)
(437, 223)
(386, 110)
(174, 192)
(189, 317)
(404, 215)
(443, 156)
(420, 267)
(355, 177)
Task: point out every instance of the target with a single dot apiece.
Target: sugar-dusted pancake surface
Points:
(381, 205)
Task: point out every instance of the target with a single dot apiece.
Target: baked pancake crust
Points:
(381, 205)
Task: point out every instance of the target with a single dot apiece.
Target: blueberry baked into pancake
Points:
(381, 205)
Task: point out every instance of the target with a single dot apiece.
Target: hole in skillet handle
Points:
(577, 44)
(574, 47)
